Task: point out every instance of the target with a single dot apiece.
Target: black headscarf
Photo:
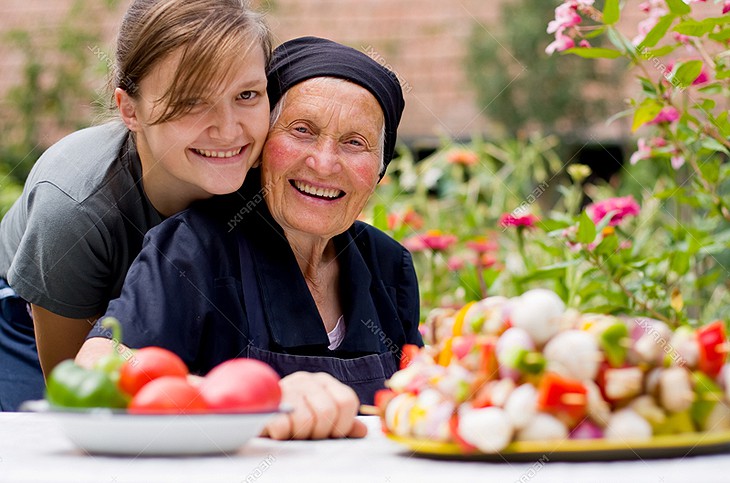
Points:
(307, 57)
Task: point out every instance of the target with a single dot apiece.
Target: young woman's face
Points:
(321, 162)
(209, 150)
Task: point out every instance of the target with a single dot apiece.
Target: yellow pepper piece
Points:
(459, 319)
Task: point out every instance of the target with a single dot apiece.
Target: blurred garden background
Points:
(601, 173)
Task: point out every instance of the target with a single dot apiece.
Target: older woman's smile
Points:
(314, 191)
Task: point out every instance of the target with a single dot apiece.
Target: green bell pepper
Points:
(73, 386)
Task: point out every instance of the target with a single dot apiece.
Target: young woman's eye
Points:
(247, 95)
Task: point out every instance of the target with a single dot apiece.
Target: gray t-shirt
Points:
(68, 241)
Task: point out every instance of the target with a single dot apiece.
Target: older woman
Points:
(281, 271)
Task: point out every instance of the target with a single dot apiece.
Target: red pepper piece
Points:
(565, 398)
(713, 345)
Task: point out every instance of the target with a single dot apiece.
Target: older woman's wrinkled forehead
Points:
(327, 99)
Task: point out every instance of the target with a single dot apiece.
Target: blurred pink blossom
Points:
(433, 239)
(643, 152)
(623, 206)
(483, 245)
(508, 219)
(726, 7)
(562, 42)
(455, 263)
(668, 114)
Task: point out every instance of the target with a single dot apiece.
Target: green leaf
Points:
(380, 217)
(720, 36)
(611, 12)
(714, 88)
(684, 73)
(656, 34)
(714, 145)
(680, 262)
(678, 7)
(647, 110)
(586, 229)
(659, 52)
(694, 28)
(608, 245)
(706, 105)
(593, 52)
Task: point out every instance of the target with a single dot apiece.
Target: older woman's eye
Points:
(301, 129)
(247, 95)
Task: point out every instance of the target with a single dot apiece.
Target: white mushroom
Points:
(653, 344)
(488, 428)
(543, 427)
(397, 414)
(675, 389)
(485, 316)
(597, 407)
(574, 354)
(626, 424)
(685, 351)
(623, 383)
(521, 406)
(538, 312)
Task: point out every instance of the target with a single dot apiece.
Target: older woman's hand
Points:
(323, 407)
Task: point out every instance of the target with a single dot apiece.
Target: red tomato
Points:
(147, 364)
(713, 348)
(242, 385)
(168, 394)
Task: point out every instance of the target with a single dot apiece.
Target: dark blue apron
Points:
(364, 375)
(21, 378)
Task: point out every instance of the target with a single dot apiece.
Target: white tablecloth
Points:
(33, 449)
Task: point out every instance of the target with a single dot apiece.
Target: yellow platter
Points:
(668, 446)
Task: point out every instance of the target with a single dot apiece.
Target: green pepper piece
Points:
(613, 341)
(708, 393)
(530, 362)
(111, 364)
(73, 386)
(675, 423)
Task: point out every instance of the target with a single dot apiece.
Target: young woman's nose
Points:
(226, 125)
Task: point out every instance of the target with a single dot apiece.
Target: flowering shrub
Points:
(511, 216)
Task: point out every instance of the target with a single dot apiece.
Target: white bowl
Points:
(106, 431)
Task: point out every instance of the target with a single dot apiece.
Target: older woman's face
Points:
(321, 160)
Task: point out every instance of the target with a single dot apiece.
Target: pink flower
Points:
(509, 219)
(668, 114)
(566, 17)
(623, 207)
(414, 244)
(432, 239)
(677, 161)
(487, 260)
(643, 152)
(562, 42)
(463, 157)
(726, 7)
(482, 245)
(656, 9)
(585, 44)
(437, 241)
(455, 263)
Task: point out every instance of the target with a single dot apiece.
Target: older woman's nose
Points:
(324, 158)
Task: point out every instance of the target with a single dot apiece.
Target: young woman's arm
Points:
(58, 338)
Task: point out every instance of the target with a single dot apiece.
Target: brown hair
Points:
(213, 34)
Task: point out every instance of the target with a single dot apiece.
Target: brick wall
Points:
(423, 41)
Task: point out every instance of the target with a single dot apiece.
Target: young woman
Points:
(190, 88)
